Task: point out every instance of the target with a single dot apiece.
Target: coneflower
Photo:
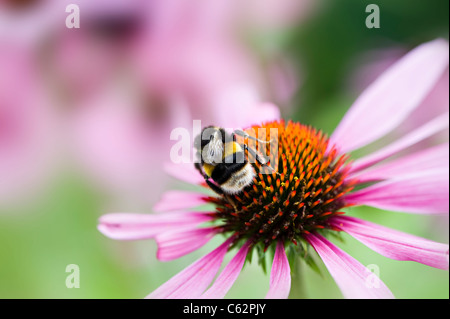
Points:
(305, 198)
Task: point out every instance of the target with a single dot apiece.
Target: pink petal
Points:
(437, 124)
(436, 157)
(395, 244)
(174, 244)
(424, 193)
(185, 172)
(193, 280)
(354, 280)
(390, 99)
(228, 276)
(280, 276)
(176, 200)
(127, 226)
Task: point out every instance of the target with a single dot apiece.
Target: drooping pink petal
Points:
(228, 275)
(193, 280)
(391, 98)
(436, 157)
(280, 276)
(128, 226)
(423, 192)
(354, 280)
(174, 244)
(434, 126)
(395, 244)
(176, 200)
(185, 172)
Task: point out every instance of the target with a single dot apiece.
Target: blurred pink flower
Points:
(288, 207)
(26, 23)
(275, 14)
(189, 52)
(121, 146)
(28, 126)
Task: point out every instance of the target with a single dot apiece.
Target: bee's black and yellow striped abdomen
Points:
(234, 172)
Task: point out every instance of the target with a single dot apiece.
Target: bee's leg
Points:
(245, 135)
(261, 160)
(211, 185)
(214, 187)
(220, 192)
(199, 168)
(231, 201)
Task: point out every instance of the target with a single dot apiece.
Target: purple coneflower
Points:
(305, 200)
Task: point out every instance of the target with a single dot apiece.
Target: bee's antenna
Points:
(245, 135)
(272, 169)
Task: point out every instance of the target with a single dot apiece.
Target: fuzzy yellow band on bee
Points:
(208, 168)
(231, 148)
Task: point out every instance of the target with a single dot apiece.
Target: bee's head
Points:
(211, 144)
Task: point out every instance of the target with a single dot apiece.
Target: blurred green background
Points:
(41, 236)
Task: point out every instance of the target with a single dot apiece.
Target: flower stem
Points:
(297, 287)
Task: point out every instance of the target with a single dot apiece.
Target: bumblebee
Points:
(223, 160)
